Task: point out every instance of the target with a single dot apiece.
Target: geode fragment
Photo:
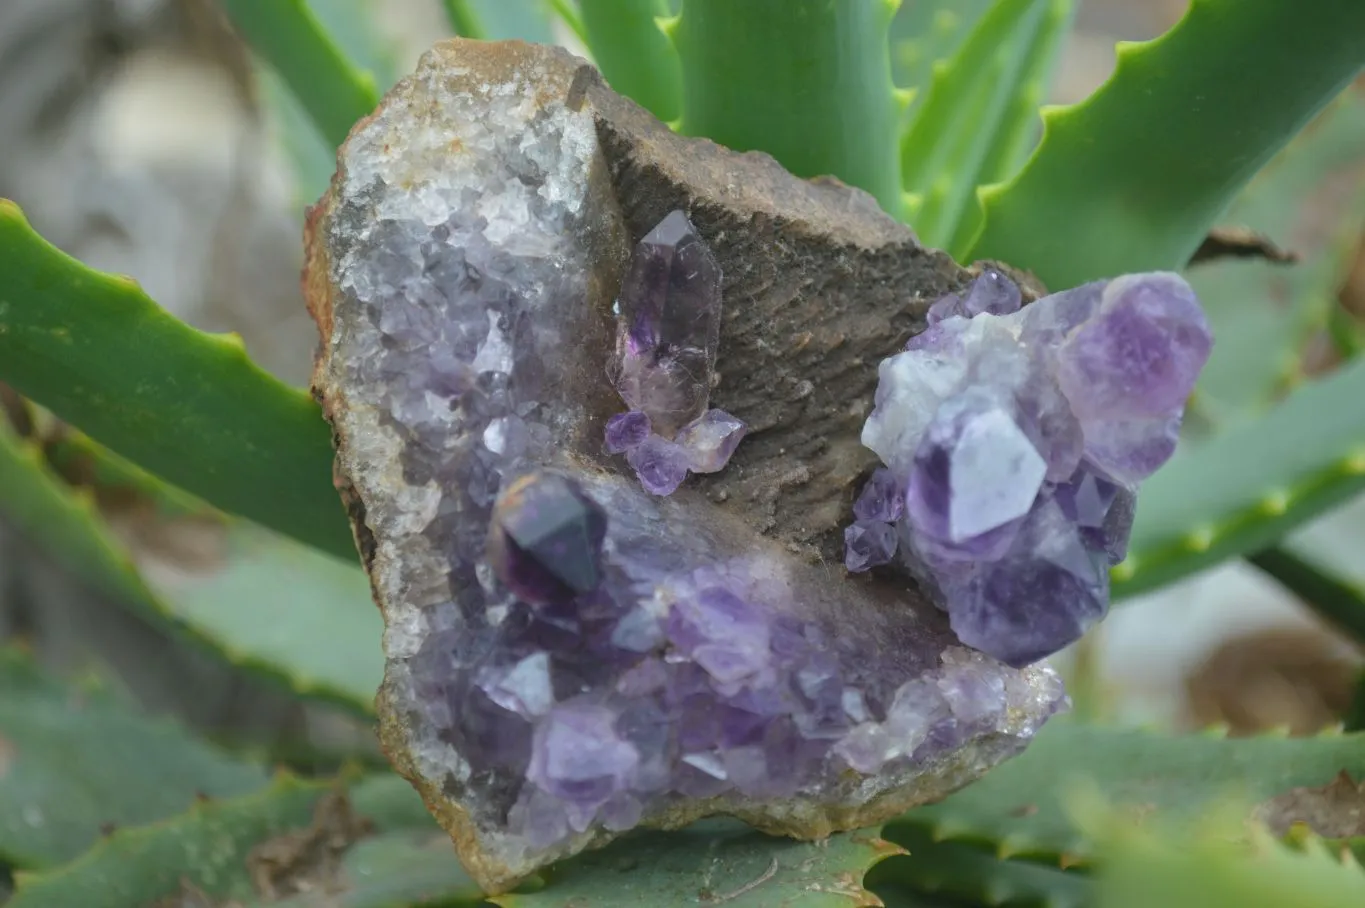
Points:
(570, 654)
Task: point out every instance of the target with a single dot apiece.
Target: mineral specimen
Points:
(1020, 438)
(569, 654)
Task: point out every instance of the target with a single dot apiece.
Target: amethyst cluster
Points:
(1014, 441)
(668, 334)
(569, 652)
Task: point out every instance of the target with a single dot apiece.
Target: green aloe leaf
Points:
(1339, 599)
(397, 870)
(289, 36)
(807, 81)
(1310, 199)
(926, 32)
(292, 834)
(974, 120)
(62, 520)
(712, 862)
(1214, 868)
(1243, 489)
(351, 24)
(74, 761)
(567, 12)
(1132, 178)
(463, 19)
(260, 602)
(1022, 807)
(633, 54)
(287, 611)
(527, 20)
(973, 874)
(185, 405)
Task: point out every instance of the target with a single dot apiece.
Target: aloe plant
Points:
(1242, 115)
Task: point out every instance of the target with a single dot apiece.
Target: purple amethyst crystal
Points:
(545, 541)
(668, 332)
(660, 465)
(670, 326)
(1021, 437)
(882, 498)
(626, 431)
(867, 544)
(569, 653)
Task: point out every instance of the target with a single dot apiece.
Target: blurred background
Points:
(140, 137)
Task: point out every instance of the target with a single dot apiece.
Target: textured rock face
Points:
(570, 652)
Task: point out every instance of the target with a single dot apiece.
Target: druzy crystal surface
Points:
(1020, 438)
(571, 651)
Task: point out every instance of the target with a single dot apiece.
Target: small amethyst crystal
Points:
(626, 430)
(1021, 437)
(710, 439)
(660, 465)
(570, 650)
(882, 498)
(868, 543)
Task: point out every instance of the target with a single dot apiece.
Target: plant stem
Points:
(1338, 601)
(463, 19)
(289, 37)
(633, 53)
(571, 17)
(807, 81)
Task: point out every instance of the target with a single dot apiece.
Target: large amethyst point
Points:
(567, 654)
(669, 326)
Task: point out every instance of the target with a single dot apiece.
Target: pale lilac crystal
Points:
(710, 440)
(975, 474)
(868, 543)
(669, 325)
(1139, 355)
(882, 498)
(992, 292)
(626, 430)
(1021, 437)
(578, 757)
(660, 464)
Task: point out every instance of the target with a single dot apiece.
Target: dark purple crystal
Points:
(545, 541)
(1021, 437)
(670, 326)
